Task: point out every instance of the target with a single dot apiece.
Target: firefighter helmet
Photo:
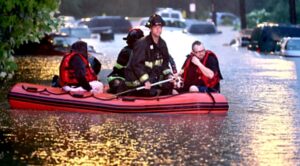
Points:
(155, 19)
(133, 35)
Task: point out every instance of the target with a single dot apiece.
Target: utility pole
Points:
(213, 12)
(192, 9)
(292, 7)
(243, 14)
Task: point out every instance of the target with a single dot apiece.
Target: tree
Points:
(22, 21)
(257, 16)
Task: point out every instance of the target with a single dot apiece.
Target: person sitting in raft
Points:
(75, 73)
(94, 62)
(201, 71)
(116, 79)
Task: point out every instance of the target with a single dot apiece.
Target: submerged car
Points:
(243, 39)
(73, 34)
(45, 46)
(167, 13)
(117, 24)
(225, 18)
(171, 25)
(197, 27)
(290, 47)
(170, 22)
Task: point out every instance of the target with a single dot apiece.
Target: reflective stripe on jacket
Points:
(149, 62)
(121, 64)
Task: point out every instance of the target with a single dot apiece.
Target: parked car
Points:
(290, 46)
(266, 37)
(117, 24)
(200, 27)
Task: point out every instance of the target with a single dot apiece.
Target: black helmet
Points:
(155, 19)
(133, 35)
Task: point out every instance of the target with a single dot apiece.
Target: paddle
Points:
(143, 87)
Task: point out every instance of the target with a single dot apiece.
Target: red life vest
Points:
(67, 74)
(211, 83)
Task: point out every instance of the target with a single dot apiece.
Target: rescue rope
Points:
(128, 98)
(213, 100)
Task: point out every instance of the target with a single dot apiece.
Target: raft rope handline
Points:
(213, 100)
(135, 97)
(104, 99)
(62, 93)
(32, 89)
(35, 90)
(78, 95)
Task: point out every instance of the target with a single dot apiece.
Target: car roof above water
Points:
(118, 24)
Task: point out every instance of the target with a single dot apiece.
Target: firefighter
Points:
(116, 79)
(150, 62)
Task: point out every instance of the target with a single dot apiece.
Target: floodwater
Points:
(262, 126)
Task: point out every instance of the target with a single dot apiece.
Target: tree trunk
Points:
(213, 12)
(243, 14)
(293, 18)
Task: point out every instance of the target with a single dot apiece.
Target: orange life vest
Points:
(67, 74)
(211, 83)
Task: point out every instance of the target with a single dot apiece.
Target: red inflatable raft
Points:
(39, 97)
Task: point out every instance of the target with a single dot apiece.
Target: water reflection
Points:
(271, 137)
(276, 69)
(114, 139)
(41, 69)
(37, 68)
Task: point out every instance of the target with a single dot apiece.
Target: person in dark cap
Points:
(116, 79)
(150, 62)
(75, 71)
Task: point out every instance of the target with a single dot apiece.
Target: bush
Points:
(22, 21)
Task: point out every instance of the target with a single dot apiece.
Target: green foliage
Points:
(22, 21)
(279, 11)
(257, 16)
(276, 10)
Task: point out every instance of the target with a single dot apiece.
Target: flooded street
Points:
(262, 126)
